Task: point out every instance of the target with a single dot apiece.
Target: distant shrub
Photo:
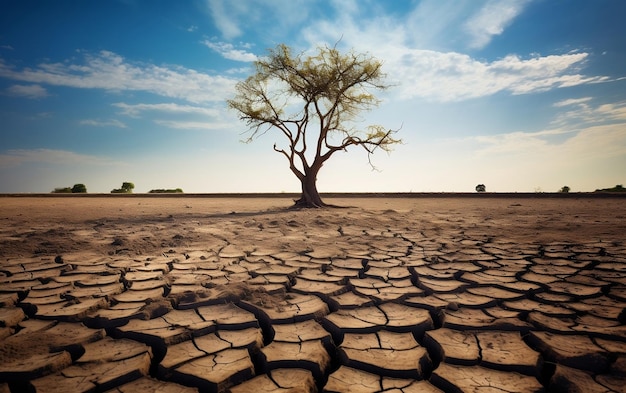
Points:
(166, 191)
(617, 188)
(481, 188)
(564, 189)
(127, 188)
(79, 188)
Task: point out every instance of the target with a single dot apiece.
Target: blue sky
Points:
(520, 95)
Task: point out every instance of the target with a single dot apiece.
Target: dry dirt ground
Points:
(178, 294)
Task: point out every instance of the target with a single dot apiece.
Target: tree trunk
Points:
(310, 196)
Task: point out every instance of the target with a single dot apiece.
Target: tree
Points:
(481, 188)
(127, 188)
(62, 190)
(564, 189)
(79, 189)
(314, 102)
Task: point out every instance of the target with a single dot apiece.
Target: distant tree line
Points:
(166, 191)
(76, 189)
(126, 188)
(617, 188)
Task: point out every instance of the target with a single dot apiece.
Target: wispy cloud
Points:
(515, 142)
(572, 101)
(179, 116)
(228, 51)
(587, 131)
(16, 157)
(193, 125)
(103, 123)
(109, 71)
(491, 20)
(224, 20)
(27, 91)
(583, 114)
(135, 110)
(234, 18)
(453, 76)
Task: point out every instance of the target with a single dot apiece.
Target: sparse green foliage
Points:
(564, 189)
(62, 190)
(481, 188)
(314, 102)
(166, 191)
(127, 188)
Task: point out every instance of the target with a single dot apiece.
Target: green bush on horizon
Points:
(166, 191)
(78, 188)
(127, 188)
(617, 188)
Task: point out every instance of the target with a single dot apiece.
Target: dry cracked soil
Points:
(157, 294)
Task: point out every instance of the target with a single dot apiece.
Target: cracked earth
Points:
(157, 294)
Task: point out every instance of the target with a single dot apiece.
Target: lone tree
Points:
(314, 102)
(481, 188)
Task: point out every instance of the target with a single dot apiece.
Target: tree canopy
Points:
(78, 188)
(313, 101)
(127, 188)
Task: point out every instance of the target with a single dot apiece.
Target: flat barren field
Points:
(381, 294)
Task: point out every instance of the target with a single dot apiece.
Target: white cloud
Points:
(193, 125)
(572, 101)
(598, 133)
(583, 114)
(109, 71)
(454, 76)
(224, 20)
(16, 157)
(273, 17)
(103, 123)
(515, 142)
(135, 110)
(228, 51)
(180, 116)
(27, 91)
(491, 20)
(438, 24)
